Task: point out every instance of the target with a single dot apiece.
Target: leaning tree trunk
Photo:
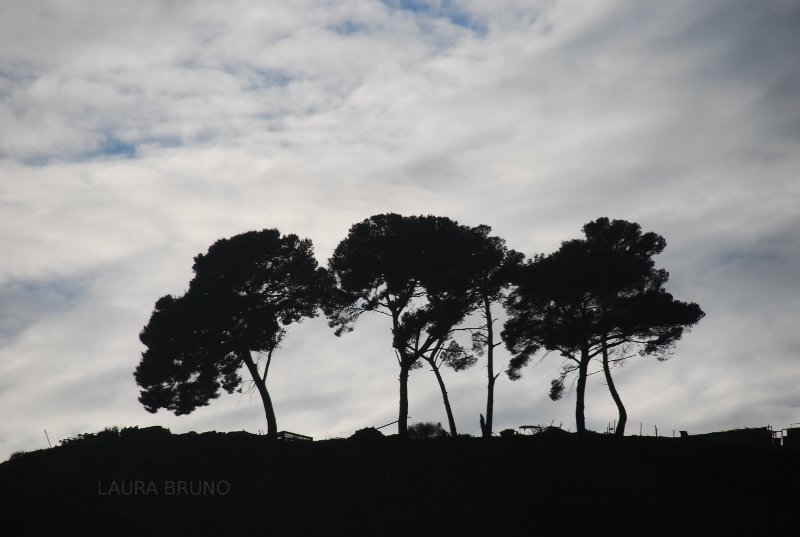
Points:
(623, 414)
(450, 420)
(583, 369)
(402, 419)
(261, 385)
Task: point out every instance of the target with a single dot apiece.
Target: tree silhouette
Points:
(487, 267)
(591, 296)
(494, 268)
(417, 271)
(547, 310)
(455, 357)
(245, 290)
(635, 310)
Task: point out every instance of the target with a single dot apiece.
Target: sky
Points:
(133, 137)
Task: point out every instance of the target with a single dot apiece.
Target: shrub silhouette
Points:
(426, 430)
(367, 434)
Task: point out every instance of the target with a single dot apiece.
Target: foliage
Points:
(594, 296)
(418, 269)
(367, 434)
(426, 430)
(591, 296)
(114, 433)
(245, 290)
(420, 272)
(605, 284)
(457, 357)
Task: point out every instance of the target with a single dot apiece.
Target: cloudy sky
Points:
(132, 137)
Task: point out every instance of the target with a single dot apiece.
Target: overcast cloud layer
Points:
(134, 136)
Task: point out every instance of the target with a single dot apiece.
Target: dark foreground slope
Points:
(239, 484)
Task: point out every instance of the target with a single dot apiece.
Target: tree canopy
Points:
(245, 290)
(598, 296)
(420, 272)
(591, 296)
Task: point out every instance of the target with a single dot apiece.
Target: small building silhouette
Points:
(293, 437)
(791, 437)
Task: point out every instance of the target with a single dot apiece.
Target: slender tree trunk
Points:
(486, 430)
(583, 369)
(487, 427)
(402, 420)
(623, 415)
(450, 420)
(405, 367)
(261, 385)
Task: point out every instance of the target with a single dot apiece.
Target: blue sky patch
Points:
(446, 9)
(348, 27)
(264, 78)
(115, 147)
(21, 302)
(110, 147)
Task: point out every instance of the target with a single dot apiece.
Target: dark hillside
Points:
(241, 484)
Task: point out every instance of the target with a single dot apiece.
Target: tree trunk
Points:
(583, 369)
(623, 415)
(261, 385)
(402, 420)
(450, 420)
(487, 429)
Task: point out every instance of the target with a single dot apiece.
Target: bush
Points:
(367, 434)
(155, 431)
(425, 429)
(108, 432)
(16, 455)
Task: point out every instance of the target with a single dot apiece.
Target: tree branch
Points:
(266, 366)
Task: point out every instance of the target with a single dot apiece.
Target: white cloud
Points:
(131, 139)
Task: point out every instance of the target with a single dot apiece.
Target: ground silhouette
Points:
(245, 484)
